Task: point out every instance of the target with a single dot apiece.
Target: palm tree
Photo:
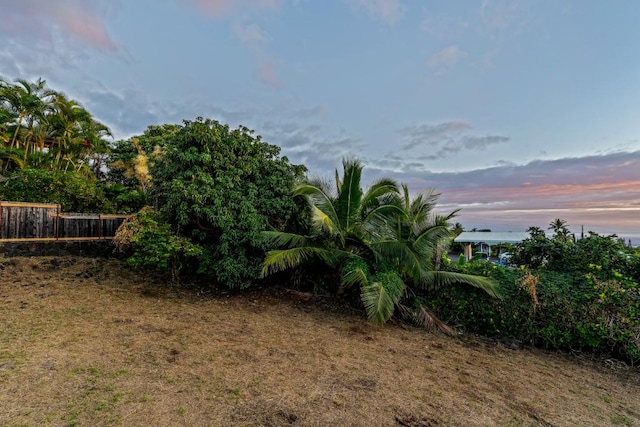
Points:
(378, 239)
(73, 133)
(456, 229)
(6, 118)
(27, 101)
(560, 230)
(10, 159)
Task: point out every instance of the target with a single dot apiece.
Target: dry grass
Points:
(88, 342)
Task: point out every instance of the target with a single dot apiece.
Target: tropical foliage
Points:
(221, 188)
(224, 204)
(579, 296)
(149, 242)
(74, 192)
(47, 129)
(562, 253)
(379, 241)
(51, 148)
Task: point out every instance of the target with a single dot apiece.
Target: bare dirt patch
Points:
(89, 342)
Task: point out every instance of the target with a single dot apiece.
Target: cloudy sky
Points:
(519, 112)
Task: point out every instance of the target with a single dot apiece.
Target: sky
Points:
(517, 112)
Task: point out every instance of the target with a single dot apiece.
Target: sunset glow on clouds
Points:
(76, 19)
(605, 203)
(518, 112)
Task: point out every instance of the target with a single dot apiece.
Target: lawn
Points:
(89, 342)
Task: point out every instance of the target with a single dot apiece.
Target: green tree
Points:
(535, 251)
(560, 230)
(377, 240)
(75, 192)
(26, 102)
(222, 188)
(52, 130)
(129, 163)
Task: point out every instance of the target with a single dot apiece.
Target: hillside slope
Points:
(89, 342)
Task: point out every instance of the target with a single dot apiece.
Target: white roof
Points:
(491, 237)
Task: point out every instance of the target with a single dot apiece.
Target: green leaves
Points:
(383, 240)
(223, 188)
(41, 121)
(381, 295)
(74, 191)
(150, 243)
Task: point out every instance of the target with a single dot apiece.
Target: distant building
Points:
(481, 242)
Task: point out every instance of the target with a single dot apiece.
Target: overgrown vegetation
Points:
(149, 242)
(222, 188)
(51, 148)
(223, 204)
(379, 241)
(560, 294)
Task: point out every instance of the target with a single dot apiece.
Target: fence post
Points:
(57, 222)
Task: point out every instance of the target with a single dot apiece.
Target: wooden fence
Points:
(42, 222)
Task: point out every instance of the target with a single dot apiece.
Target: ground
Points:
(89, 342)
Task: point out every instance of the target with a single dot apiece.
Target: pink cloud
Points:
(84, 25)
(267, 75)
(602, 207)
(73, 18)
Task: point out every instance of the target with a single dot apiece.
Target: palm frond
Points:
(382, 217)
(426, 240)
(424, 203)
(424, 318)
(355, 276)
(348, 202)
(322, 221)
(312, 189)
(437, 279)
(379, 189)
(285, 259)
(398, 253)
(324, 212)
(377, 302)
(279, 239)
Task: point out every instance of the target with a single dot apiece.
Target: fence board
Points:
(20, 221)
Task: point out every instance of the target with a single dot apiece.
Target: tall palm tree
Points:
(378, 239)
(73, 133)
(560, 230)
(27, 101)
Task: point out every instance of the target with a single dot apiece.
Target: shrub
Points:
(222, 188)
(75, 192)
(552, 310)
(150, 243)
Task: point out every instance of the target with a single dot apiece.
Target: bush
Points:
(75, 192)
(150, 243)
(222, 188)
(552, 310)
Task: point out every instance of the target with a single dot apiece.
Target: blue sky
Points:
(517, 111)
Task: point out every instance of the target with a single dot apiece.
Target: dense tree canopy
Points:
(51, 148)
(47, 129)
(223, 187)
